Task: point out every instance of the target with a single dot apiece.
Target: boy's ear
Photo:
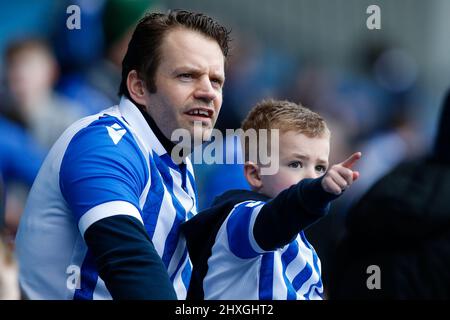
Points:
(136, 87)
(253, 175)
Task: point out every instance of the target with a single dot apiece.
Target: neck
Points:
(167, 144)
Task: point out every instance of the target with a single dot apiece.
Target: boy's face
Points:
(300, 157)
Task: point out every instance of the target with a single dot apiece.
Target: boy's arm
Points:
(294, 209)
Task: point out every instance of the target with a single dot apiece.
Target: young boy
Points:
(251, 244)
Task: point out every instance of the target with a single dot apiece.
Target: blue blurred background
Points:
(379, 90)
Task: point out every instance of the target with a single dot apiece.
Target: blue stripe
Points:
(168, 161)
(186, 274)
(180, 263)
(180, 216)
(266, 277)
(302, 277)
(238, 231)
(318, 284)
(287, 257)
(152, 207)
(88, 279)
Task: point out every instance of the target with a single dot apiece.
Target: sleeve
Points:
(294, 209)
(239, 229)
(127, 261)
(102, 174)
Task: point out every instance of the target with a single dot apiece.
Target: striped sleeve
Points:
(239, 228)
(103, 173)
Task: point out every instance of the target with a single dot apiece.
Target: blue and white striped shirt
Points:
(103, 165)
(239, 269)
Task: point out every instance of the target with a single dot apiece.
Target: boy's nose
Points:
(311, 174)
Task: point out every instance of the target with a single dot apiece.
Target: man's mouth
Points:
(200, 113)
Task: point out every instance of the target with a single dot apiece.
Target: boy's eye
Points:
(296, 164)
(321, 169)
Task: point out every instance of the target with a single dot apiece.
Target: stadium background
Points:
(380, 90)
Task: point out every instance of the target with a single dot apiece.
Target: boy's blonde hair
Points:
(284, 116)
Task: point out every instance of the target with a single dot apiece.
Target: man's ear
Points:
(136, 88)
(253, 175)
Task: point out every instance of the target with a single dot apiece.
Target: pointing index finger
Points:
(350, 161)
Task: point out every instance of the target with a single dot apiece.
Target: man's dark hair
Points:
(143, 54)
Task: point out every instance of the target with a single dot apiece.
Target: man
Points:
(103, 216)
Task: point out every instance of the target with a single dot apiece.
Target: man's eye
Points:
(321, 169)
(185, 76)
(296, 164)
(216, 82)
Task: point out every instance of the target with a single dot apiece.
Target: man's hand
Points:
(340, 176)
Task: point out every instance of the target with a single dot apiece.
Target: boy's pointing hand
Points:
(340, 176)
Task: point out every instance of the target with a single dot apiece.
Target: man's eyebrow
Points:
(219, 75)
(197, 70)
(190, 68)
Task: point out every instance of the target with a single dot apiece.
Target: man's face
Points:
(189, 81)
(300, 157)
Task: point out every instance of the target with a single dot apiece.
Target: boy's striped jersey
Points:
(239, 269)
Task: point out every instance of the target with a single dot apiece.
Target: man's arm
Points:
(281, 219)
(102, 181)
(127, 260)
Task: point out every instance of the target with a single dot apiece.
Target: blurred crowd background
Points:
(379, 90)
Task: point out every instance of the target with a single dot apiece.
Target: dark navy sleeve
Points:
(127, 260)
(282, 218)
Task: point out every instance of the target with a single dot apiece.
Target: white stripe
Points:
(307, 255)
(279, 291)
(100, 291)
(185, 199)
(251, 235)
(191, 192)
(105, 210)
(177, 255)
(178, 284)
(296, 265)
(166, 216)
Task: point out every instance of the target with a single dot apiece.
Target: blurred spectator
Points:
(402, 225)
(20, 160)
(97, 85)
(20, 156)
(31, 74)
(2, 203)
(9, 285)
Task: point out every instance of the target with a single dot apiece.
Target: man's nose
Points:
(205, 90)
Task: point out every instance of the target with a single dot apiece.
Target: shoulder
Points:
(105, 146)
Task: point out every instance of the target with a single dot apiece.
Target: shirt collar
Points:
(133, 116)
